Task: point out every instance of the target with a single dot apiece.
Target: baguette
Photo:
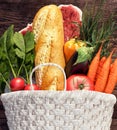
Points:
(49, 38)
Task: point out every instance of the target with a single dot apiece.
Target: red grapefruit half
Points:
(26, 29)
(72, 18)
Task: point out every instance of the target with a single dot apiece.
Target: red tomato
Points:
(28, 87)
(79, 82)
(17, 84)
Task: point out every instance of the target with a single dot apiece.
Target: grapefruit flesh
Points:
(72, 18)
(26, 29)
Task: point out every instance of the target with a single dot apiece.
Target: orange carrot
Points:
(116, 80)
(103, 75)
(94, 65)
(112, 79)
(101, 62)
(110, 69)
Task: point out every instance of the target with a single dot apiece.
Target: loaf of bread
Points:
(49, 38)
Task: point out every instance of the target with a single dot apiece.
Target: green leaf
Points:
(9, 40)
(3, 66)
(5, 45)
(20, 53)
(84, 54)
(94, 35)
(29, 41)
(7, 51)
(29, 58)
(19, 41)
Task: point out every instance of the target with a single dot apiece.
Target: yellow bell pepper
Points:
(71, 46)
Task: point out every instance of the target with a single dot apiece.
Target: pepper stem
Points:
(76, 39)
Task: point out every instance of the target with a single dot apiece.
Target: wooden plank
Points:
(114, 124)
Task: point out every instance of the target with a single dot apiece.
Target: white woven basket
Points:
(58, 110)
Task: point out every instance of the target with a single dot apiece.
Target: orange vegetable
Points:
(103, 75)
(71, 46)
(94, 65)
(116, 80)
(111, 66)
(101, 62)
(112, 79)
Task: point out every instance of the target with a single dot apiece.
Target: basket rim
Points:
(52, 94)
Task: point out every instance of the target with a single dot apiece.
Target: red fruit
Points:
(33, 87)
(26, 29)
(17, 84)
(71, 14)
(79, 82)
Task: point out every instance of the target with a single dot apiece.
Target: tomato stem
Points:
(81, 86)
(76, 39)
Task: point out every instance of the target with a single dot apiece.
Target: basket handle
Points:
(48, 64)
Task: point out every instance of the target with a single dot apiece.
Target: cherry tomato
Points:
(28, 87)
(79, 82)
(17, 84)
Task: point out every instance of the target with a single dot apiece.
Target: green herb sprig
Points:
(95, 29)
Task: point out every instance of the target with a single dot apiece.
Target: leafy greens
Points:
(16, 56)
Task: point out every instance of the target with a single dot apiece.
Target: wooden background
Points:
(21, 12)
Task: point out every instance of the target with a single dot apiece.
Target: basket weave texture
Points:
(58, 110)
